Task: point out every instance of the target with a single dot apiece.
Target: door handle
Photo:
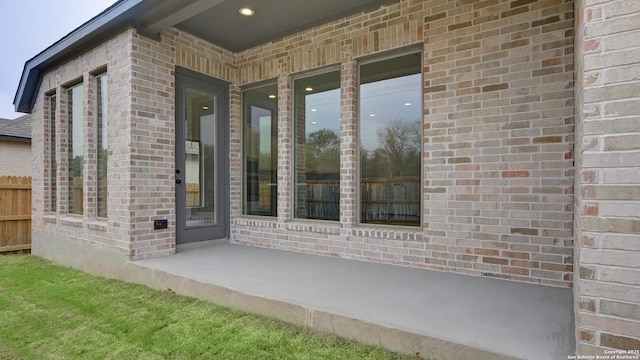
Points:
(178, 181)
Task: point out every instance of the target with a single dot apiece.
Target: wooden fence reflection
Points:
(393, 200)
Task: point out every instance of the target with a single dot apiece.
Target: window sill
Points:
(254, 220)
(395, 232)
(51, 219)
(71, 221)
(315, 226)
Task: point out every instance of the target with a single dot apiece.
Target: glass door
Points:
(201, 158)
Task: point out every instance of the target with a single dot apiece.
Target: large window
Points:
(260, 156)
(391, 141)
(317, 146)
(53, 170)
(101, 85)
(75, 97)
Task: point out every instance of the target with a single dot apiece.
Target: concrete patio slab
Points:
(440, 315)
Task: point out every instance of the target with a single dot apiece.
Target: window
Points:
(260, 156)
(53, 170)
(390, 135)
(102, 121)
(75, 98)
(317, 146)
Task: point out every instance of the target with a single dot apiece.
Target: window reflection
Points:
(260, 151)
(75, 98)
(200, 165)
(391, 141)
(317, 147)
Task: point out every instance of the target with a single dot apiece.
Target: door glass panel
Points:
(199, 158)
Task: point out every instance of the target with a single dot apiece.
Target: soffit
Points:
(222, 24)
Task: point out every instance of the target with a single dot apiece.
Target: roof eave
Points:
(106, 23)
(15, 138)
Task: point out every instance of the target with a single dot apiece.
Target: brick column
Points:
(235, 152)
(89, 172)
(348, 135)
(151, 170)
(300, 155)
(285, 147)
(60, 145)
(607, 223)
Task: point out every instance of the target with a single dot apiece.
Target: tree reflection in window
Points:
(390, 131)
(317, 146)
(75, 98)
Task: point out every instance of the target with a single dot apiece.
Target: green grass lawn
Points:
(52, 312)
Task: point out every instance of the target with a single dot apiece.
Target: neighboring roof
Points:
(18, 129)
(217, 21)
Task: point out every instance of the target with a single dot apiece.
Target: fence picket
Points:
(15, 214)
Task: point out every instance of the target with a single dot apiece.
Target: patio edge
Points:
(105, 263)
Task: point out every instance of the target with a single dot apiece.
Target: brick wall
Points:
(607, 290)
(498, 126)
(153, 130)
(498, 135)
(498, 146)
(141, 165)
(16, 158)
(112, 234)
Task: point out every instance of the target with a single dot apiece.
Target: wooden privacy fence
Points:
(193, 194)
(77, 196)
(323, 199)
(15, 213)
(393, 200)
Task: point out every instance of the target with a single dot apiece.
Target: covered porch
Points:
(526, 166)
(439, 315)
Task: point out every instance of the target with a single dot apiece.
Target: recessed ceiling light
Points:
(309, 89)
(314, 122)
(407, 104)
(205, 108)
(247, 11)
(314, 110)
(372, 115)
(272, 96)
